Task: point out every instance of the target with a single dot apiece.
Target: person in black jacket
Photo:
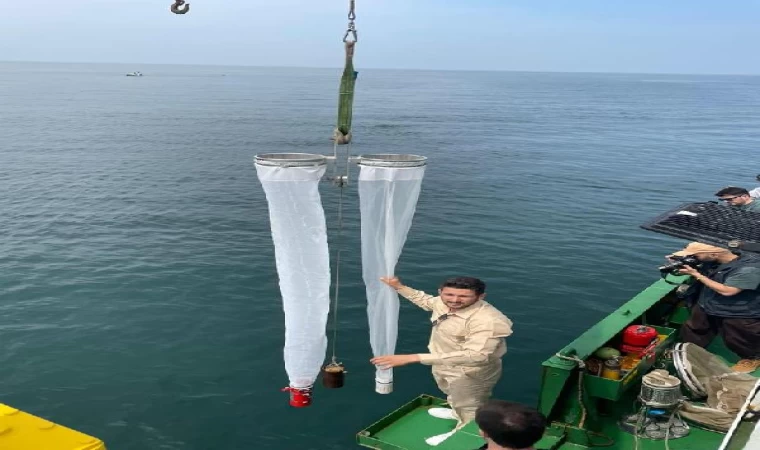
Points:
(509, 426)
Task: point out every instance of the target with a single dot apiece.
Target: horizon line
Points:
(379, 68)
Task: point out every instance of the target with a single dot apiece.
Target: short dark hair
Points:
(473, 284)
(510, 424)
(731, 190)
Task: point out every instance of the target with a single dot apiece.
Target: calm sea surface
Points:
(138, 293)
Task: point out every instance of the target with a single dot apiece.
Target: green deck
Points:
(393, 431)
(408, 427)
(605, 400)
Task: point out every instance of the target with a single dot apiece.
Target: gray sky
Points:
(672, 36)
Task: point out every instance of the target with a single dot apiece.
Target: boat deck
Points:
(408, 430)
(23, 431)
(394, 430)
(409, 426)
(607, 401)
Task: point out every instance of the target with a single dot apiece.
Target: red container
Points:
(633, 350)
(299, 397)
(638, 336)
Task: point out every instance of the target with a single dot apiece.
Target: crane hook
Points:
(180, 7)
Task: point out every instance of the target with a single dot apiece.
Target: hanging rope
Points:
(342, 132)
(336, 290)
(581, 369)
(342, 136)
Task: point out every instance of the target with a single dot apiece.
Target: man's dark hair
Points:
(471, 283)
(732, 190)
(510, 424)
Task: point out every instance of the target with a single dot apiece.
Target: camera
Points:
(677, 262)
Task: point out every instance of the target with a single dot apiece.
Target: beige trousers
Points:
(467, 387)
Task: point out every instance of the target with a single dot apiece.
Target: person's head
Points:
(734, 196)
(461, 292)
(510, 425)
(705, 252)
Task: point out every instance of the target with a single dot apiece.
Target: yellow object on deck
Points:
(22, 431)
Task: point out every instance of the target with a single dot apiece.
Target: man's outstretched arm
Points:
(419, 298)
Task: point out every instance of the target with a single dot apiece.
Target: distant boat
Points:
(134, 74)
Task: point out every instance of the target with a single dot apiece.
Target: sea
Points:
(139, 298)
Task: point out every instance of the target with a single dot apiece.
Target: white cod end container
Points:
(383, 387)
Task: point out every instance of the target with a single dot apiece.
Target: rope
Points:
(609, 443)
(676, 413)
(338, 250)
(342, 136)
(581, 366)
(581, 363)
(639, 423)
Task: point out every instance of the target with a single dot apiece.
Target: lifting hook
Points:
(180, 7)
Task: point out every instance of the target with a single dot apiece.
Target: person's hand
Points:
(391, 361)
(688, 270)
(393, 282)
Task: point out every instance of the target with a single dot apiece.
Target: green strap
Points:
(342, 134)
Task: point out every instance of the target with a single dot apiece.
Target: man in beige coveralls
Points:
(466, 344)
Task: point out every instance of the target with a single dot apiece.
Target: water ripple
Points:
(139, 296)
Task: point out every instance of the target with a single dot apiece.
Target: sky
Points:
(644, 36)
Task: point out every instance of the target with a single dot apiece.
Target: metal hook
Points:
(177, 7)
(350, 32)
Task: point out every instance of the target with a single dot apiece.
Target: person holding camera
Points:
(728, 303)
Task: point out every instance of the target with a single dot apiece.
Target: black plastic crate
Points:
(710, 223)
